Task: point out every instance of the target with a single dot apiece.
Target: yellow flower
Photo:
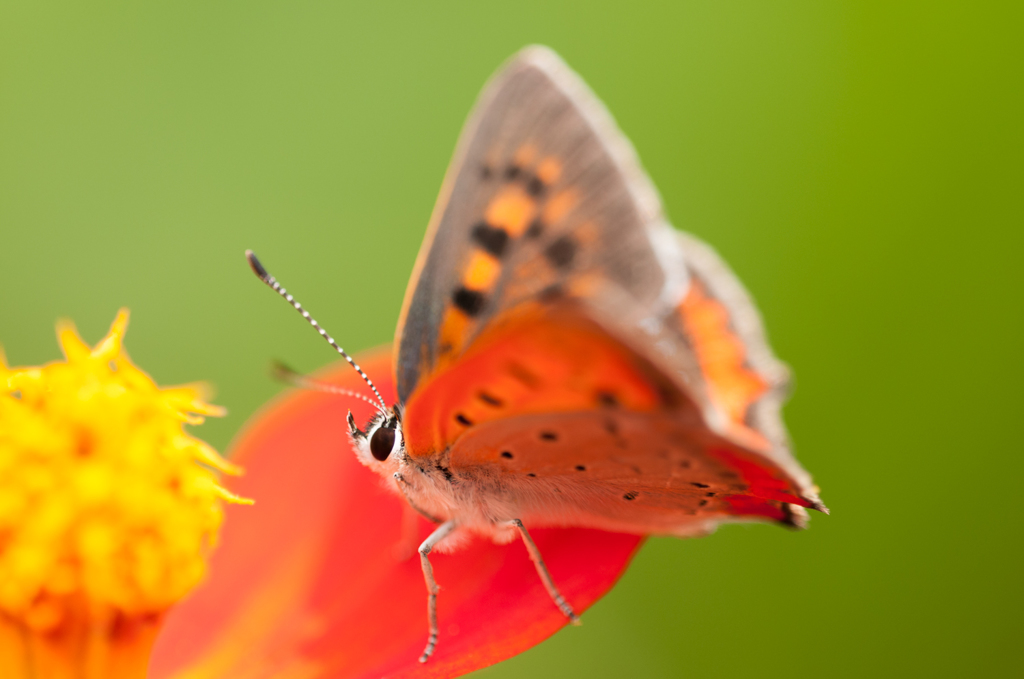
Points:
(105, 516)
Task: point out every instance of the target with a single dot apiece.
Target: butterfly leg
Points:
(545, 576)
(441, 533)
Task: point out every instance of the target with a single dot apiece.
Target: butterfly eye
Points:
(382, 442)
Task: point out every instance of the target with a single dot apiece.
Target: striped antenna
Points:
(285, 374)
(276, 287)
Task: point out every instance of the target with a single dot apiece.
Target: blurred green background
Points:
(858, 163)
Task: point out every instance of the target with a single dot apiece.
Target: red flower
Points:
(307, 582)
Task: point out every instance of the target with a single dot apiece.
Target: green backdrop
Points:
(858, 163)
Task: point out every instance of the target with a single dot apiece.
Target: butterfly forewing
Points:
(545, 198)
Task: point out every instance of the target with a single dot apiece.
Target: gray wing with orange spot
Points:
(544, 197)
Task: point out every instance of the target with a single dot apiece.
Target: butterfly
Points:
(564, 356)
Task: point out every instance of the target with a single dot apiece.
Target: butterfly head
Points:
(381, 444)
(383, 436)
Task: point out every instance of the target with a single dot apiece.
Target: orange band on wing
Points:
(453, 331)
(732, 386)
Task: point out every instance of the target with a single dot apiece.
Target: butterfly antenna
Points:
(276, 287)
(283, 373)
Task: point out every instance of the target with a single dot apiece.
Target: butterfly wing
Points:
(544, 197)
(624, 471)
(635, 465)
(553, 308)
(743, 379)
(581, 427)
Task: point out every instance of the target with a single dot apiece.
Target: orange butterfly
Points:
(564, 356)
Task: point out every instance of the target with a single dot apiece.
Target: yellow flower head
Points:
(104, 514)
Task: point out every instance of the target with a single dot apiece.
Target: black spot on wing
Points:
(551, 293)
(561, 252)
(492, 239)
(507, 455)
(469, 301)
(548, 436)
(581, 468)
(522, 374)
(462, 419)
(535, 186)
(631, 495)
(698, 485)
(535, 229)
(490, 400)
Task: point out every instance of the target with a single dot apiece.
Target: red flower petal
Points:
(306, 582)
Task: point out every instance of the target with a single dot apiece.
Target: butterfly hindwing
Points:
(744, 381)
(621, 470)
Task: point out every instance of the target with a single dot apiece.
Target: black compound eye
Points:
(382, 442)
